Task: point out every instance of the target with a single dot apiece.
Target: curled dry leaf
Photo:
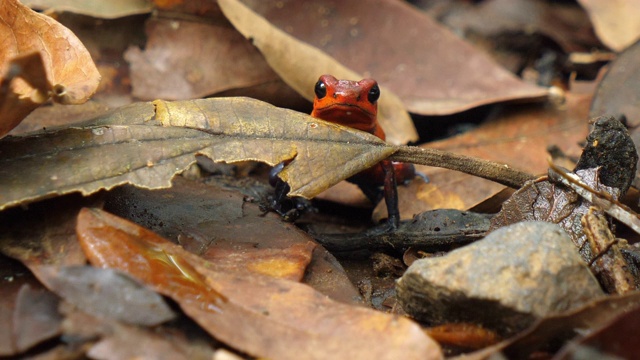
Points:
(615, 23)
(300, 64)
(71, 74)
(99, 9)
(262, 316)
(543, 200)
(431, 69)
(146, 144)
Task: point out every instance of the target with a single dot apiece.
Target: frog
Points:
(355, 104)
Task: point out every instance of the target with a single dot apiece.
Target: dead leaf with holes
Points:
(146, 144)
(62, 70)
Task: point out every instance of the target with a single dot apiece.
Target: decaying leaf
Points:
(543, 200)
(608, 263)
(300, 65)
(71, 75)
(146, 144)
(100, 9)
(261, 316)
(431, 70)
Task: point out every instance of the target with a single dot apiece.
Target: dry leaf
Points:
(615, 22)
(565, 23)
(519, 137)
(219, 224)
(106, 293)
(186, 60)
(261, 316)
(71, 74)
(431, 69)
(130, 146)
(300, 65)
(39, 236)
(543, 200)
(96, 8)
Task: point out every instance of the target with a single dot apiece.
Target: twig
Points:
(500, 173)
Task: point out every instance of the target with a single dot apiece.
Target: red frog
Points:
(355, 104)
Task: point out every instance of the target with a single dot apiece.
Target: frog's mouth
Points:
(348, 115)
(351, 109)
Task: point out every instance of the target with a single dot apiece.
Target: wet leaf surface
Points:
(299, 64)
(135, 149)
(250, 313)
(417, 51)
(71, 76)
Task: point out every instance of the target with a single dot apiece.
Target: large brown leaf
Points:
(300, 65)
(146, 144)
(262, 316)
(192, 60)
(427, 66)
(71, 76)
(518, 136)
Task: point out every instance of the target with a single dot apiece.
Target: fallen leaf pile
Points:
(136, 145)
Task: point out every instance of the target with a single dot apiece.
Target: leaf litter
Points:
(52, 244)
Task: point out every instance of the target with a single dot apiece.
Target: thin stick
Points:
(500, 173)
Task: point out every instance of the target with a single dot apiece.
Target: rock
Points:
(514, 275)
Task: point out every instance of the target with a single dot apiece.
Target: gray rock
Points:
(514, 275)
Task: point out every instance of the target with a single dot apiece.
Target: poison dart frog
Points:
(355, 104)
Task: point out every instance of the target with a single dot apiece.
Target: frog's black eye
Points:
(320, 89)
(374, 94)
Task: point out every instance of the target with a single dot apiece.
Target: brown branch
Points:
(500, 173)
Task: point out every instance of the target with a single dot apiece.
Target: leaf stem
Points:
(500, 173)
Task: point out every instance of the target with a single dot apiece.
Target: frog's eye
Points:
(320, 89)
(374, 94)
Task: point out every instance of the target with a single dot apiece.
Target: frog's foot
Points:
(423, 176)
(289, 208)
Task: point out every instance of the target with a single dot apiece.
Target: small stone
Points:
(513, 276)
